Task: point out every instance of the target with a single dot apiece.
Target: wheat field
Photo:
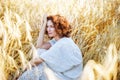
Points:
(96, 30)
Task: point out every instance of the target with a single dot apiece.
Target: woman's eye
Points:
(51, 26)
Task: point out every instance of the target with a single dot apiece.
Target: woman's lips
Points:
(49, 33)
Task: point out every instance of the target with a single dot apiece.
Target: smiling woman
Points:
(61, 55)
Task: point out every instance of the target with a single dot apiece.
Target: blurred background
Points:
(95, 23)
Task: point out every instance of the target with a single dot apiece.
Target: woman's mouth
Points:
(49, 33)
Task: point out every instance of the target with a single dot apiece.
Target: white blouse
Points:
(64, 58)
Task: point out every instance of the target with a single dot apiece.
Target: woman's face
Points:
(51, 29)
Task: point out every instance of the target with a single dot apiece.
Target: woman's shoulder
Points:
(67, 39)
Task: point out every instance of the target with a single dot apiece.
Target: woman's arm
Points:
(41, 33)
(40, 41)
(36, 61)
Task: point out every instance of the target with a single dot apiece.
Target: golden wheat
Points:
(95, 23)
(104, 71)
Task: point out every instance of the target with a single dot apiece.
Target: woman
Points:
(61, 54)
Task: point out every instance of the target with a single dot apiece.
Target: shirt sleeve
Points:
(61, 58)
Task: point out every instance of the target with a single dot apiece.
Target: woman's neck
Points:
(57, 38)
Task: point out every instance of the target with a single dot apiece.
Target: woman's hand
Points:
(36, 61)
(44, 21)
(27, 66)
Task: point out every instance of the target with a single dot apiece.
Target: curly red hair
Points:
(61, 25)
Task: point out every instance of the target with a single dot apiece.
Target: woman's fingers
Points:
(43, 21)
(45, 18)
(29, 66)
(32, 62)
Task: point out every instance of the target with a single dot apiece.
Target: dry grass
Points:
(104, 71)
(96, 24)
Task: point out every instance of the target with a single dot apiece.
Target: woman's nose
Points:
(48, 29)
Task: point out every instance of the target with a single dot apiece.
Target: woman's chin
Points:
(50, 36)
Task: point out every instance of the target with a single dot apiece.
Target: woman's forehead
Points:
(49, 22)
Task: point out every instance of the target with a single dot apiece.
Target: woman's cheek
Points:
(52, 29)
